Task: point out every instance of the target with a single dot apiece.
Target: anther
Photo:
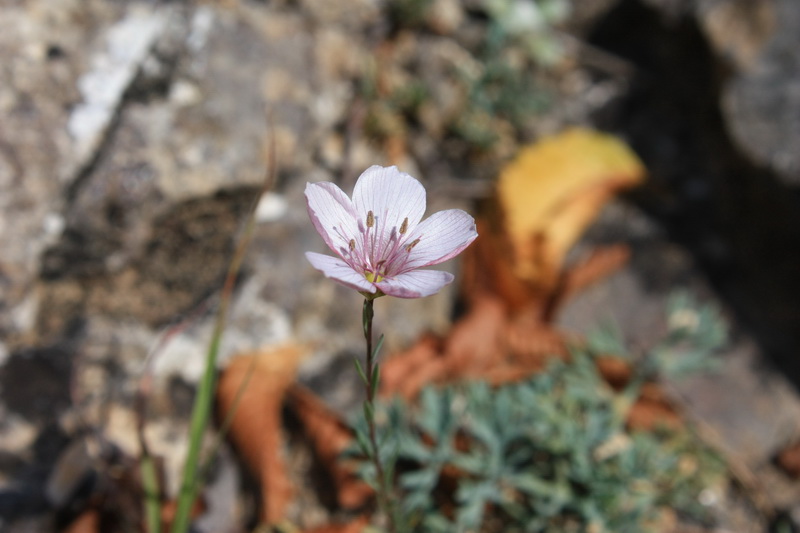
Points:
(352, 245)
(404, 226)
(370, 219)
(412, 245)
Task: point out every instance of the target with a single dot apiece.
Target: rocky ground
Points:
(134, 136)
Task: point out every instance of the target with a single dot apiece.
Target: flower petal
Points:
(415, 284)
(392, 196)
(338, 270)
(442, 236)
(332, 214)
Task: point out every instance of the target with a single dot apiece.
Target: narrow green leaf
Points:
(369, 411)
(363, 444)
(204, 397)
(376, 377)
(360, 370)
(378, 347)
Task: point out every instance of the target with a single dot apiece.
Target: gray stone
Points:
(762, 102)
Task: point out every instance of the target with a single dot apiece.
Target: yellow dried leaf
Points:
(553, 190)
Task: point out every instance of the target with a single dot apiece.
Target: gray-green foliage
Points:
(694, 332)
(520, 38)
(550, 454)
(502, 85)
(530, 24)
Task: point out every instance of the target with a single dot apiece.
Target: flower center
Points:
(379, 252)
(373, 277)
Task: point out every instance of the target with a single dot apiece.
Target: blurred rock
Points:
(762, 101)
(756, 43)
(127, 44)
(42, 47)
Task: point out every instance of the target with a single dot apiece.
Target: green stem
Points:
(384, 500)
(201, 411)
(152, 497)
(147, 466)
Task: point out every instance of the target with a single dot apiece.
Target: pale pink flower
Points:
(379, 239)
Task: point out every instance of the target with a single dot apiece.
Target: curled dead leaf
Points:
(169, 508)
(488, 343)
(329, 437)
(653, 410)
(615, 370)
(789, 460)
(551, 192)
(487, 269)
(254, 385)
(86, 522)
(398, 372)
(597, 265)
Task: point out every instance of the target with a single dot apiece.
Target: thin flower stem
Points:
(384, 500)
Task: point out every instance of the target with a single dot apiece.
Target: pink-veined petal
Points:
(442, 236)
(392, 196)
(332, 214)
(415, 284)
(338, 270)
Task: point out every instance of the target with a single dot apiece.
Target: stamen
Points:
(404, 226)
(412, 245)
(352, 245)
(370, 219)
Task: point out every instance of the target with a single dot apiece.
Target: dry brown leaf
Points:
(789, 460)
(551, 192)
(653, 410)
(256, 426)
(487, 343)
(615, 370)
(487, 270)
(330, 436)
(473, 345)
(508, 373)
(599, 264)
(87, 522)
(169, 508)
(398, 370)
(476, 340)
(433, 371)
(532, 342)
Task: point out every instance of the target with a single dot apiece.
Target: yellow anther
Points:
(404, 226)
(352, 244)
(370, 219)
